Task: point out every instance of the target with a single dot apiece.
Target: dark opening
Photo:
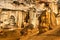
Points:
(16, 2)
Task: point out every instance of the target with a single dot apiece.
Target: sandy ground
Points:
(50, 35)
(9, 35)
(14, 35)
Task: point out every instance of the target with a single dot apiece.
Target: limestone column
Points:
(19, 19)
(54, 10)
(33, 18)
